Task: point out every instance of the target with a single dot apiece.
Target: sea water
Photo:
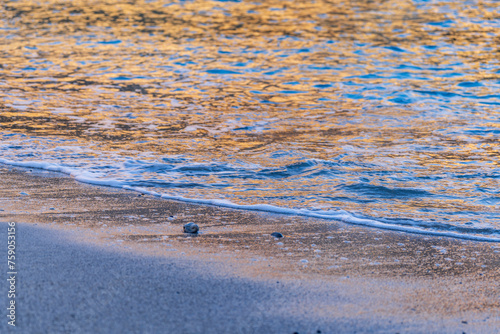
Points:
(381, 113)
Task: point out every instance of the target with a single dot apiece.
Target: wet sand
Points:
(103, 260)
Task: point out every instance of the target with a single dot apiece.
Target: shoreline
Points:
(265, 208)
(431, 284)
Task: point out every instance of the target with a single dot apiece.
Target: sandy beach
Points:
(341, 159)
(101, 260)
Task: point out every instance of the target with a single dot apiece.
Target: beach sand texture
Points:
(365, 132)
(102, 260)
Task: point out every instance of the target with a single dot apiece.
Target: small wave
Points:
(340, 215)
(370, 190)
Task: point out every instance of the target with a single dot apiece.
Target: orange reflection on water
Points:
(381, 86)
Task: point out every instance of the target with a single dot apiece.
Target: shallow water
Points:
(385, 110)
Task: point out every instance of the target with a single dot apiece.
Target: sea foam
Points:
(340, 215)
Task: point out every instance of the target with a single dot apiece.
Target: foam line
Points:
(344, 216)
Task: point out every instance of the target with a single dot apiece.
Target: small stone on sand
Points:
(191, 228)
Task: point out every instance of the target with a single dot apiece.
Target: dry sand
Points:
(101, 260)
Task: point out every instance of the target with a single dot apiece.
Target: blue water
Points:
(377, 113)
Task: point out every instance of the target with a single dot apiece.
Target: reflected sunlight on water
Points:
(385, 109)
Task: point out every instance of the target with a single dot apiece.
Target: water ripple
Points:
(385, 110)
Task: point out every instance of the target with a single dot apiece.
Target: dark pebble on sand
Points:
(277, 235)
(191, 228)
